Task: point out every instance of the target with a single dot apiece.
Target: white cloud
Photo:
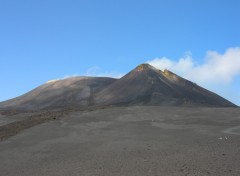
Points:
(96, 71)
(65, 77)
(217, 68)
(52, 81)
(93, 72)
(70, 76)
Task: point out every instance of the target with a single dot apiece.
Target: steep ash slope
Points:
(149, 86)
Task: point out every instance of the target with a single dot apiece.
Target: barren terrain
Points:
(127, 141)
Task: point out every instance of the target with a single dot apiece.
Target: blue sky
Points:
(52, 39)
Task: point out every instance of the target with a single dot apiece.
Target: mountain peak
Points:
(149, 69)
(145, 66)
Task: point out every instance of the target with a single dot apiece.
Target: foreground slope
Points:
(149, 86)
(128, 141)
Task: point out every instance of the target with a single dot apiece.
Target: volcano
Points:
(144, 85)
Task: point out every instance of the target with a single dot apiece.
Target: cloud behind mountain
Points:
(216, 68)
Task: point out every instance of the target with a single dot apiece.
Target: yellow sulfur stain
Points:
(169, 75)
(140, 68)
